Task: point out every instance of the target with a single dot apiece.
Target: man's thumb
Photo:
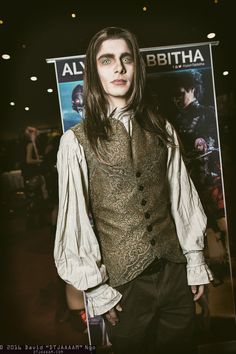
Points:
(118, 308)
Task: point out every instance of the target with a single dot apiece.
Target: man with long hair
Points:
(122, 163)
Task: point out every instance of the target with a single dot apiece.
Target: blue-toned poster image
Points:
(71, 98)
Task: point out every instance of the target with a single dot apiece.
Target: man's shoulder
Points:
(71, 134)
(72, 139)
(79, 129)
(80, 132)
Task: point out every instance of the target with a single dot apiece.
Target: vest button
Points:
(143, 202)
(141, 188)
(138, 174)
(153, 241)
(147, 215)
(149, 228)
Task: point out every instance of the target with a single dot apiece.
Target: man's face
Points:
(115, 68)
(200, 147)
(183, 97)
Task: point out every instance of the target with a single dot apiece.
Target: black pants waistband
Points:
(156, 266)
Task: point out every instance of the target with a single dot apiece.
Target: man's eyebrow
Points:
(107, 55)
(125, 54)
(110, 55)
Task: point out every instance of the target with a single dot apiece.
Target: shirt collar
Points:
(121, 114)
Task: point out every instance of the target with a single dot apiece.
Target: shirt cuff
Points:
(198, 271)
(101, 299)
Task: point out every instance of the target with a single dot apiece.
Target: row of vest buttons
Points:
(153, 241)
(141, 188)
(147, 215)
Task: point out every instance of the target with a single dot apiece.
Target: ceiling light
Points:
(12, 103)
(225, 73)
(6, 56)
(33, 78)
(211, 35)
(145, 8)
(73, 15)
(26, 108)
(1, 22)
(49, 90)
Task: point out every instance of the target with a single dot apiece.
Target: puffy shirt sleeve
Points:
(188, 213)
(76, 251)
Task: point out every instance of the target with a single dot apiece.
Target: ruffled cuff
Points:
(198, 271)
(101, 299)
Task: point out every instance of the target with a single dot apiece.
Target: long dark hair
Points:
(145, 110)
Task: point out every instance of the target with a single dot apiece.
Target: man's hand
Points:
(198, 291)
(112, 315)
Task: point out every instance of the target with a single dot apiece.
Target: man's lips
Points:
(119, 82)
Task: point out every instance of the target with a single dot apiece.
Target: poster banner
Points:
(69, 73)
(182, 81)
(181, 78)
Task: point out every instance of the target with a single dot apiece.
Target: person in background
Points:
(193, 120)
(141, 263)
(34, 181)
(49, 170)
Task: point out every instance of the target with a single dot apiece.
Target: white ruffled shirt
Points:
(76, 251)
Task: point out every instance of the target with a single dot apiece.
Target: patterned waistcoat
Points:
(129, 198)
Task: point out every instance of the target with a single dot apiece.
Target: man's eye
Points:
(106, 61)
(127, 59)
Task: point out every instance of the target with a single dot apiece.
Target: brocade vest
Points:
(129, 198)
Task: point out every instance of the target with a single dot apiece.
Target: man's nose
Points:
(119, 67)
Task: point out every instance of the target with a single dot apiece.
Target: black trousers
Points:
(158, 313)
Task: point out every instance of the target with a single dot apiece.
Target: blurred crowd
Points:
(28, 165)
(29, 173)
